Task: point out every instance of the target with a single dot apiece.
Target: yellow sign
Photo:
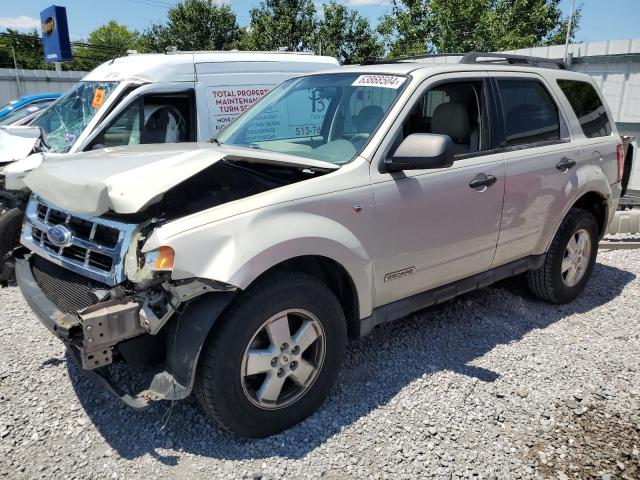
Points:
(98, 98)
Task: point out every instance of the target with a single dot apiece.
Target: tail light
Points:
(620, 158)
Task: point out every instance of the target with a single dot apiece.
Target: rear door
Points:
(598, 143)
(227, 89)
(541, 164)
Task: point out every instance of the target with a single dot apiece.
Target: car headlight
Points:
(159, 260)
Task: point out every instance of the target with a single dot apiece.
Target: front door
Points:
(438, 226)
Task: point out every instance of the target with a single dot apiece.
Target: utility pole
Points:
(15, 64)
(566, 43)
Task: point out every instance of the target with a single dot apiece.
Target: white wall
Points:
(35, 81)
(615, 66)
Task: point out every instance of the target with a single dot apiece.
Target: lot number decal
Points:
(385, 81)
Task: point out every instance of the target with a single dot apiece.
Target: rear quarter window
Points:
(588, 107)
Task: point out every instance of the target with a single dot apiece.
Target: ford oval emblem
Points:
(60, 236)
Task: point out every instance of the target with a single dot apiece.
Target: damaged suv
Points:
(238, 269)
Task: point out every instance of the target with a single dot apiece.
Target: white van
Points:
(154, 98)
(141, 99)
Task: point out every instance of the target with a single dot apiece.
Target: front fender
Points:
(239, 249)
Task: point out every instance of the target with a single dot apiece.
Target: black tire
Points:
(547, 281)
(219, 385)
(10, 228)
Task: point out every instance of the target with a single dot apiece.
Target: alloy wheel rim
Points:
(283, 359)
(576, 258)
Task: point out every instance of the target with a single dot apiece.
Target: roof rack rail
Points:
(409, 58)
(512, 59)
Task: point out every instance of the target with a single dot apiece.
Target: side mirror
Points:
(421, 151)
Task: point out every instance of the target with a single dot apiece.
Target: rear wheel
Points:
(569, 261)
(273, 357)
(10, 227)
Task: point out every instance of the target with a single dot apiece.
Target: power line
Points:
(91, 46)
(153, 3)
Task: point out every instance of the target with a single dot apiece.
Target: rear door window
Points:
(588, 107)
(530, 114)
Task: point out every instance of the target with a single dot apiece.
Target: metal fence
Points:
(14, 83)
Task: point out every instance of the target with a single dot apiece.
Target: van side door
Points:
(224, 90)
(541, 163)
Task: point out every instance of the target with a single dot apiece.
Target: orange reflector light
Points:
(164, 260)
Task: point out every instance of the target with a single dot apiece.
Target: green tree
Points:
(528, 23)
(346, 35)
(193, 25)
(281, 23)
(407, 29)
(462, 25)
(114, 35)
(105, 42)
(27, 47)
(453, 26)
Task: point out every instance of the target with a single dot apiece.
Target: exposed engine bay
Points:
(222, 182)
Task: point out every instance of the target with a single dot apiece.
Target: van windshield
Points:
(65, 120)
(327, 117)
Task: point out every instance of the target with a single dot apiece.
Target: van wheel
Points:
(273, 357)
(569, 261)
(10, 228)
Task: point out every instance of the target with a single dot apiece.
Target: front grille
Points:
(96, 247)
(69, 291)
(74, 252)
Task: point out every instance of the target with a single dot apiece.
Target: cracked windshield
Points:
(65, 120)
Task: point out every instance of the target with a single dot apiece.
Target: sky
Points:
(601, 19)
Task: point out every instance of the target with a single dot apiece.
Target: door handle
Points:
(483, 181)
(565, 164)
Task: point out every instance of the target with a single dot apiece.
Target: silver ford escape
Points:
(343, 200)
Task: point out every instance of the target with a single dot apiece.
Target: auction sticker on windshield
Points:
(385, 81)
(98, 98)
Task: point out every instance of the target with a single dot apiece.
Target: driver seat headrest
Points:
(451, 119)
(368, 118)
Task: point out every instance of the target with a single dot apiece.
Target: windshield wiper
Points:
(215, 140)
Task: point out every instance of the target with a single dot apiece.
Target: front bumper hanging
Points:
(91, 335)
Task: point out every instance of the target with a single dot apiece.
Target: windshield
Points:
(327, 117)
(65, 120)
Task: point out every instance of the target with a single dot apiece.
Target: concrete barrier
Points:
(34, 81)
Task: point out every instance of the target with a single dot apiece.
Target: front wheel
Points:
(569, 261)
(273, 357)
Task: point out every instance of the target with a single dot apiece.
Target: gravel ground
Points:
(491, 385)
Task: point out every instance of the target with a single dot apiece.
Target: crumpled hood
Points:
(127, 179)
(17, 142)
